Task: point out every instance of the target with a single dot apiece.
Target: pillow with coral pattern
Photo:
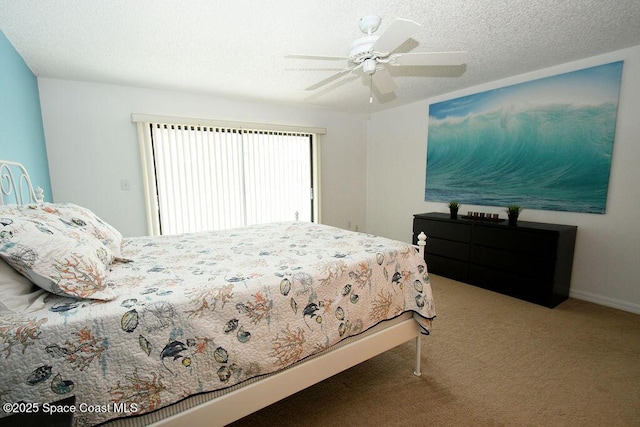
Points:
(74, 216)
(63, 260)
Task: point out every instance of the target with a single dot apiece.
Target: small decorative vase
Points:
(513, 219)
(453, 213)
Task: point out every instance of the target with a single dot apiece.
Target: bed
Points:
(200, 328)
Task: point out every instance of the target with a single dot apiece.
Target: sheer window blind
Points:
(211, 178)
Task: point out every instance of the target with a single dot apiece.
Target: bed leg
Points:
(416, 371)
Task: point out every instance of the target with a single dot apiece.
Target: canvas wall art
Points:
(542, 144)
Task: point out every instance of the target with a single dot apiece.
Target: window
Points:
(204, 177)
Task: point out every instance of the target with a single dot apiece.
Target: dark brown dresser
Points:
(531, 261)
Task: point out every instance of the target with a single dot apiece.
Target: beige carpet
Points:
(491, 360)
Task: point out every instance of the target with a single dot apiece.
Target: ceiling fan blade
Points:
(330, 79)
(398, 32)
(312, 69)
(319, 57)
(383, 81)
(428, 58)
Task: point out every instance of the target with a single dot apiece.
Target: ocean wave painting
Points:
(543, 144)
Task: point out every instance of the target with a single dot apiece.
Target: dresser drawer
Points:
(448, 248)
(512, 239)
(460, 232)
(447, 267)
(530, 265)
(517, 286)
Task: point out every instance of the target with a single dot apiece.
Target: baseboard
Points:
(606, 301)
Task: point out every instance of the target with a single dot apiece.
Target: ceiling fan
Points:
(373, 53)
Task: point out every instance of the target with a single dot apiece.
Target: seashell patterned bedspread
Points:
(205, 311)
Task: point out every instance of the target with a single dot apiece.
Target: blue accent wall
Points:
(21, 131)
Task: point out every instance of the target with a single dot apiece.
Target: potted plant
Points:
(454, 205)
(513, 211)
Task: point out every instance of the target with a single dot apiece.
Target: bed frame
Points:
(253, 397)
(15, 184)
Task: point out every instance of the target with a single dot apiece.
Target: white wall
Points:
(606, 266)
(93, 145)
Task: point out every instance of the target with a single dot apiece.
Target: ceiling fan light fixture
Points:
(369, 66)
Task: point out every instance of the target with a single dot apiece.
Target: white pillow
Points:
(57, 256)
(17, 293)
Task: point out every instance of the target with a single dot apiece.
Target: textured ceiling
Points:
(237, 48)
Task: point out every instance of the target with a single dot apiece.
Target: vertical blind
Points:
(212, 178)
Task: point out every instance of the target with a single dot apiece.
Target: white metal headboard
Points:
(15, 185)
